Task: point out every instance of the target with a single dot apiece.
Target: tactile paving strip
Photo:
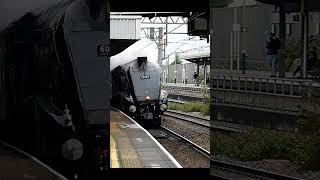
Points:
(134, 147)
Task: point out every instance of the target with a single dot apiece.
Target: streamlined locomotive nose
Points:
(145, 79)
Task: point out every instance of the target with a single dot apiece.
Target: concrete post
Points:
(211, 55)
(152, 33)
(160, 43)
(304, 39)
(282, 37)
(243, 36)
(205, 72)
(243, 61)
(175, 69)
(231, 50)
(186, 75)
(198, 70)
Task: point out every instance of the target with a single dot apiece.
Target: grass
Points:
(203, 108)
(256, 145)
(252, 145)
(301, 148)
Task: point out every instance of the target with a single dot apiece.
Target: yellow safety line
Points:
(114, 155)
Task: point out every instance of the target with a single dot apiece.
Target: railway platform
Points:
(131, 146)
(16, 164)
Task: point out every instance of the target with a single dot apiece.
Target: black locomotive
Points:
(54, 84)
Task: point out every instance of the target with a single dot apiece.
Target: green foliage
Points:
(206, 94)
(177, 60)
(294, 49)
(171, 81)
(302, 148)
(306, 152)
(204, 108)
(201, 78)
(309, 119)
(253, 145)
(293, 54)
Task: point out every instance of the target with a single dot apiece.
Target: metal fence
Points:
(186, 90)
(261, 93)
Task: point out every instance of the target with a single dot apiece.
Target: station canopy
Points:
(200, 57)
(289, 5)
(295, 5)
(158, 6)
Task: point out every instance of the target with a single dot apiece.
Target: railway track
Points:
(229, 171)
(186, 140)
(188, 118)
(186, 152)
(222, 169)
(218, 125)
(200, 121)
(232, 171)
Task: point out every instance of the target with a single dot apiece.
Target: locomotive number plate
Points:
(147, 115)
(103, 50)
(145, 77)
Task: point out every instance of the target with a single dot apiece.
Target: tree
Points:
(293, 52)
(177, 60)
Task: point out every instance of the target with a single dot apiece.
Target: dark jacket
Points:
(273, 46)
(195, 76)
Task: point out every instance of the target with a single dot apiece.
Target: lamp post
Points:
(175, 71)
(183, 74)
(243, 39)
(304, 36)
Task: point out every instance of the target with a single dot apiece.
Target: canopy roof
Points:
(158, 6)
(289, 5)
(294, 5)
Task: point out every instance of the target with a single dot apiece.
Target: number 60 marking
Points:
(104, 48)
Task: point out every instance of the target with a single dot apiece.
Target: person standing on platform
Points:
(273, 46)
(195, 76)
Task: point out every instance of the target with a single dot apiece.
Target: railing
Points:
(187, 90)
(263, 93)
(261, 85)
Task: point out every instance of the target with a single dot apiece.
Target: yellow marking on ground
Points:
(114, 128)
(113, 154)
(122, 149)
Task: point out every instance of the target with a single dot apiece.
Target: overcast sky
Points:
(180, 41)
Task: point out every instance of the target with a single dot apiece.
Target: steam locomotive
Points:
(136, 90)
(54, 84)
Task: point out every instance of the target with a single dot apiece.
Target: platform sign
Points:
(103, 50)
(145, 77)
(244, 29)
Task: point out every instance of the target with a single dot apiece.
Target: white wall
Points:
(125, 27)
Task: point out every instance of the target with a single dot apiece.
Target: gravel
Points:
(283, 167)
(195, 133)
(185, 154)
(198, 114)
